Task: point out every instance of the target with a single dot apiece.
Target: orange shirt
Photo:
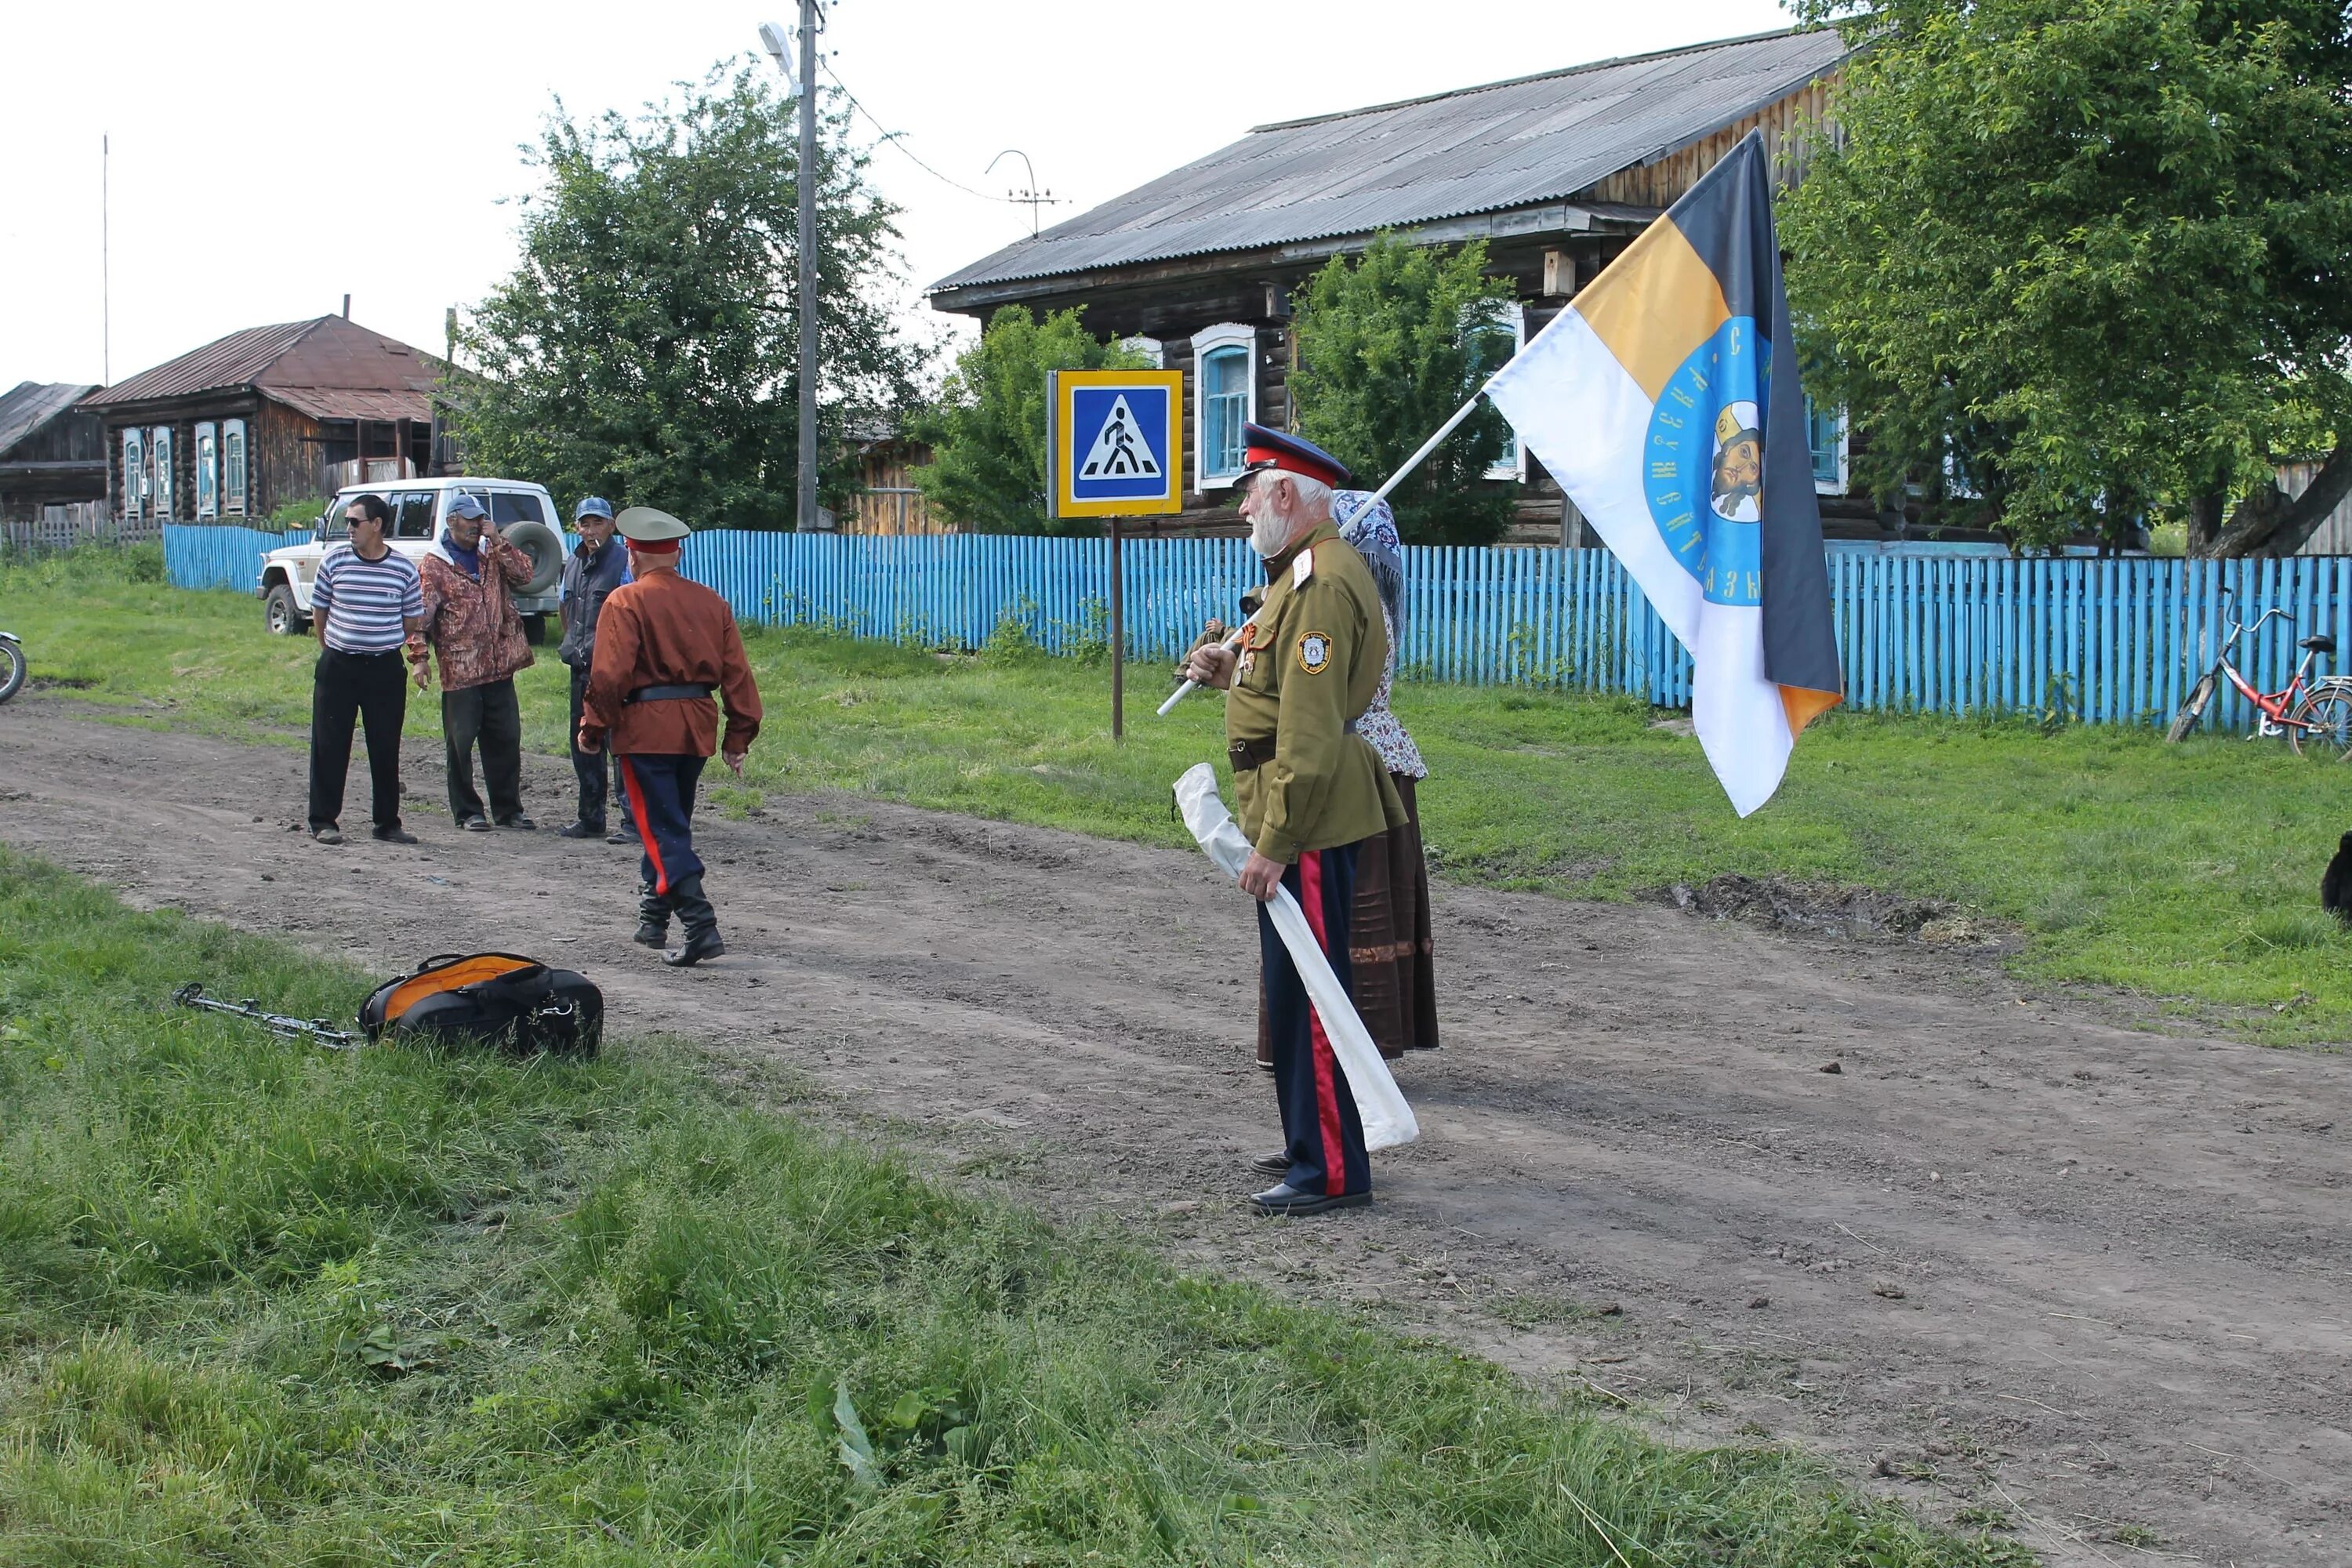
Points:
(663, 630)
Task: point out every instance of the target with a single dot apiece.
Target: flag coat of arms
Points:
(1665, 401)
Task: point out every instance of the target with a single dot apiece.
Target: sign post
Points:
(1115, 450)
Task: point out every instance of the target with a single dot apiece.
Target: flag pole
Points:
(1234, 637)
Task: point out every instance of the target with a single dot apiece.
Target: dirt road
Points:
(2010, 1258)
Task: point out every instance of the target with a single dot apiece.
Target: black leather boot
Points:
(701, 923)
(653, 916)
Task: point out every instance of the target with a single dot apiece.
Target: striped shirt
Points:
(364, 600)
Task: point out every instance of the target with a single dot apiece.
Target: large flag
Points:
(1665, 401)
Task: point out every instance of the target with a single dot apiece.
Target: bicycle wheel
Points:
(2200, 697)
(2328, 712)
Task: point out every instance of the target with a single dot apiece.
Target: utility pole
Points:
(808, 520)
(105, 262)
(1031, 197)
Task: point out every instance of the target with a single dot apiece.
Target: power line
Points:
(892, 137)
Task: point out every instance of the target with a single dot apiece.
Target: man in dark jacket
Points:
(597, 567)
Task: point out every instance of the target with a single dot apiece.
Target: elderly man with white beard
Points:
(1309, 790)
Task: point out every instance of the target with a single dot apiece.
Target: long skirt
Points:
(1395, 989)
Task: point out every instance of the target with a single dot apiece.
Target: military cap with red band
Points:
(1279, 451)
(651, 529)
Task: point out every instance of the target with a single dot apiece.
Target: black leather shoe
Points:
(327, 833)
(521, 824)
(579, 830)
(652, 935)
(620, 836)
(394, 836)
(1284, 1199)
(474, 824)
(700, 949)
(1275, 1165)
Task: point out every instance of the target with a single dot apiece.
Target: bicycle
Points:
(2322, 715)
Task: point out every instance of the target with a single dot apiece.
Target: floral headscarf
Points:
(1366, 522)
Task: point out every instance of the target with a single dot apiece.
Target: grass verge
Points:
(2189, 874)
(265, 1304)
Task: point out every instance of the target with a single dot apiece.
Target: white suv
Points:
(525, 514)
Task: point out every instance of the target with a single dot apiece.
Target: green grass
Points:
(262, 1303)
(2186, 874)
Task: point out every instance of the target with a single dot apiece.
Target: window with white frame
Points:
(160, 440)
(233, 467)
(1224, 398)
(135, 486)
(1825, 435)
(1498, 330)
(207, 471)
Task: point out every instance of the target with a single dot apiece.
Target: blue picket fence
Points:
(1918, 629)
(206, 557)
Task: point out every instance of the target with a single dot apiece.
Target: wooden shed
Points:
(239, 427)
(1556, 171)
(52, 462)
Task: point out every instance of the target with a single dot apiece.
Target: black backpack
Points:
(494, 999)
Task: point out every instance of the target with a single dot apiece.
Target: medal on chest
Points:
(1254, 636)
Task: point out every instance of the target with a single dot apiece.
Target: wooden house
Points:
(239, 427)
(52, 462)
(1557, 173)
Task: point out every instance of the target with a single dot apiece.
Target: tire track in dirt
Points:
(2013, 1257)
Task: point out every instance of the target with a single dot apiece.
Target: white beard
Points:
(1268, 534)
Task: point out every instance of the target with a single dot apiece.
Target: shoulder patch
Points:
(1302, 567)
(1315, 652)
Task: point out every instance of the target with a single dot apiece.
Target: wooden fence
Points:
(1918, 629)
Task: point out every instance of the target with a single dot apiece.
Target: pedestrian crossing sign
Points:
(1115, 442)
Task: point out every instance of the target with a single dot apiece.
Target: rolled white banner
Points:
(1379, 1104)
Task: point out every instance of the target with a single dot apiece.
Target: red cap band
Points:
(655, 546)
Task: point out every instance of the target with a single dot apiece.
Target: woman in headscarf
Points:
(1389, 944)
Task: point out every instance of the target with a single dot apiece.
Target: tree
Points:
(988, 430)
(646, 346)
(2087, 259)
(1387, 349)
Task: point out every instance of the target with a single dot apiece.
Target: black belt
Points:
(1247, 754)
(667, 693)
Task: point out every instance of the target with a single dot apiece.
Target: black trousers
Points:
(660, 790)
(591, 768)
(487, 715)
(373, 689)
(1320, 1130)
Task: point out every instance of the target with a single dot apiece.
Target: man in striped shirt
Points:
(366, 604)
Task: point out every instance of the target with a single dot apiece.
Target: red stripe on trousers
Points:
(1327, 1098)
(645, 827)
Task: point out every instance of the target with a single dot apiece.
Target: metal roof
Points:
(29, 404)
(328, 367)
(352, 402)
(235, 360)
(1480, 149)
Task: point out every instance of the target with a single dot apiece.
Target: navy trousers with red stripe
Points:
(661, 803)
(1320, 1130)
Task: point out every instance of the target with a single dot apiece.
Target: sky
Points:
(268, 158)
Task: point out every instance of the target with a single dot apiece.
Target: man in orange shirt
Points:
(663, 646)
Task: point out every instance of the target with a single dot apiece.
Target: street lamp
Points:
(801, 85)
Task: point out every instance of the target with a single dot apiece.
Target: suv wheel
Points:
(281, 615)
